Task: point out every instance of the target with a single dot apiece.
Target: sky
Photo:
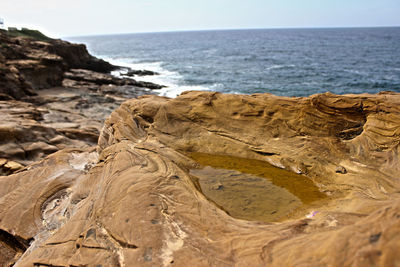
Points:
(62, 18)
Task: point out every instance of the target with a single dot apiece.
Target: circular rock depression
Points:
(253, 189)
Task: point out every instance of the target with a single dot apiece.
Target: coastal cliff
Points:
(28, 63)
(127, 194)
(53, 95)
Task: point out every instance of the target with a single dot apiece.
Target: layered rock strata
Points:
(27, 64)
(53, 95)
(132, 201)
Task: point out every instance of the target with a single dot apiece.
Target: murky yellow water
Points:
(253, 189)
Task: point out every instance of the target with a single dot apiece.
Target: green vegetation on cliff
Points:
(34, 34)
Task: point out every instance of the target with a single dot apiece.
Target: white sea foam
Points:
(279, 67)
(358, 72)
(171, 79)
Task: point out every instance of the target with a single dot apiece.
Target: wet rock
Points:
(141, 73)
(95, 78)
(91, 77)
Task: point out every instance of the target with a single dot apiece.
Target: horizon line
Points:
(233, 29)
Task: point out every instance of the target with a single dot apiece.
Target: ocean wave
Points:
(353, 71)
(173, 81)
(279, 67)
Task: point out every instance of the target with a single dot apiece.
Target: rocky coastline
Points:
(54, 95)
(81, 191)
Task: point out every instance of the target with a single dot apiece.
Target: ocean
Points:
(285, 62)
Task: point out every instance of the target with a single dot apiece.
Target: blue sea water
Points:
(287, 62)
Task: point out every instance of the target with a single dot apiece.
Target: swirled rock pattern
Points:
(133, 203)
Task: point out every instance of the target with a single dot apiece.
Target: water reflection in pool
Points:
(253, 189)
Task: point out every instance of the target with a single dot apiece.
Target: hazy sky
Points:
(88, 17)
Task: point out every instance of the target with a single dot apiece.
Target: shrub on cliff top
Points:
(34, 34)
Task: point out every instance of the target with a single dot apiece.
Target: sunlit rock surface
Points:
(53, 95)
(133, 202)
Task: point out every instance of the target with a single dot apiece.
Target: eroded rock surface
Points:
(95, 78)
(27, 64)
(133, 202)
(53, 95)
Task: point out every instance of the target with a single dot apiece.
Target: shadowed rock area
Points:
(133, 202)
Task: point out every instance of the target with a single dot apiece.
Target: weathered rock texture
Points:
(95, 78)
(132, 203)
(27, 64)
(53, 95)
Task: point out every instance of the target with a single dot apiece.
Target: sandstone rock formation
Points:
(53, 95)
(56, 119)
(27, 64)
(132, 202)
